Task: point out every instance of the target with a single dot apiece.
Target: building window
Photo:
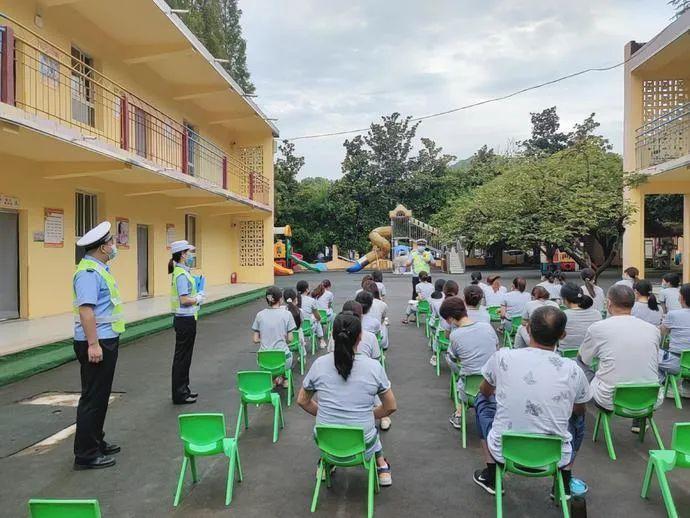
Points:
(50, 70)
(85, 217)
(192, 143)
(190, 234)
(82, 88)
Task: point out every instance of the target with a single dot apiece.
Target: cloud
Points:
(329, 66)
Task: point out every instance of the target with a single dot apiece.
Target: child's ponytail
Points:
(346, 331)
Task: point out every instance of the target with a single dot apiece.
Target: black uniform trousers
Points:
(185, 334)
(96, 384)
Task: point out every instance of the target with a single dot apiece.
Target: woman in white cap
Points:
(185, 299)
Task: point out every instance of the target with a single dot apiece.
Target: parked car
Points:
(513, 257)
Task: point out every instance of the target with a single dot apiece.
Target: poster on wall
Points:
(122, 232)
(53, 228)
(169, 234)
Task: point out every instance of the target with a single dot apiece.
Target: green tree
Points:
(286, 168)
(217, 25)
(681, 6)
(546, 139)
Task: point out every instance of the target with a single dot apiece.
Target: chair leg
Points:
(315, 497)
(301, 362)
(180, 482)
(246, 416)
(643, 429)
(371, 488)
(276, 417)
(499, 491)
(438, 361)
(463, 420)
(231, 477)
(655, 431)
(561, 494)
(647, 478)
(192, 464)
(674, 386)
(608, 435)
(239, 421)
(666, 493)
(240, 476)
(595, 435)
(291, 388)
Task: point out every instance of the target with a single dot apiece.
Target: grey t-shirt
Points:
(670, 297)
(435, 305)
(599, 297)
(535, 393)
(382, 289)
(479, 315)
(641, 310)
(369, 345)
(325, 301)
(678, 324)
(579, 321)
(371, 324)
(534, 304)
(378, 310)
(348, 402)
(308, 306)
(424, 290)
(472, 346)
(273, 326)
(515, 302)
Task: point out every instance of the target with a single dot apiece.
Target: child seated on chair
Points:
(540, 297)
(424, 290)
(323, 302)
(669, 296)
(378, 279)
(378, 311)
(580, 314)
(531, 390)
(677, 325)
(471, 346)
(365, 278)
(369, 323)
(513, 302)
(495, 293)
(292, 303)
(473, 300)
(436, 298)
(273, 328)
(347, 384)
(308, 308)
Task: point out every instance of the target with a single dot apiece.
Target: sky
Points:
(325, 65)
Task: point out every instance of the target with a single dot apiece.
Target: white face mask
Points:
(113, 252)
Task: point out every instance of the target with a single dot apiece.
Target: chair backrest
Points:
(423, 306)
(271, 360)
(635, 397)
(323, 313)
(295, 341)
(685, 364)
(680, 440)
(569, 353)
(540, 454)
(471, 384)
(254, 382)
(340, 442)
(40, 508)
(306, 327)
(202, 429)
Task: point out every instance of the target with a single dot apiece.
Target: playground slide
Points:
(281, 270)
(381, 246)
(318, 267)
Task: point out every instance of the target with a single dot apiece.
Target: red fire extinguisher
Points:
(233, 278)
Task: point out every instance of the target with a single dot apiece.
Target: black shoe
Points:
(98, 463)
(186, 401)
(109, 449)
(483, 479)
(194, 395)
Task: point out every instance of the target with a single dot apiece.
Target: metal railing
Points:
(664, 138)
(49, 83)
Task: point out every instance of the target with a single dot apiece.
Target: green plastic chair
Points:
(472, 383)
(273, 361)
(673, 380)
(296, 347)
(256, 388)
(343, 447)
(494, 313)
(309, 334)
(509, 334)
(203, 435)
(382, 358)
(531, 455)
(442, 344)
(663, 461)
(326, 323)
(630, 400)
(45, 508)
(569, 353)
(434, 324)
(423, 308)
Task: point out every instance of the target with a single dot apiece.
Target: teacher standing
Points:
(419, 260)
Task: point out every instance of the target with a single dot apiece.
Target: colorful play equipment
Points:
(285, 258)
(401, 235)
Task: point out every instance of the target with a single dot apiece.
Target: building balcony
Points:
(46, 83)
(664, 140)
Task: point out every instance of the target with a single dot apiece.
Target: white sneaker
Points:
(322, 344)
(432, 360)
(286, 383)
(385, 423)
(384, 475)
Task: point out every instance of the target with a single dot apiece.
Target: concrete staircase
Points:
(455, 263)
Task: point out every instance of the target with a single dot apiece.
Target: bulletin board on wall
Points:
(53, 228)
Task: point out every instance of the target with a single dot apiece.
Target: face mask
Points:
(189, 260)
(113, 252)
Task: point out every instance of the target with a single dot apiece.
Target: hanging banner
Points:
(53, 228)
(122, 233)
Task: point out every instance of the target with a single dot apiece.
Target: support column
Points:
(686, 238)
(7, 65)
(633, 239)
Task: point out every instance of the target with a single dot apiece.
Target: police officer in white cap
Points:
(419, 259)
(98, 323)
(185, 299)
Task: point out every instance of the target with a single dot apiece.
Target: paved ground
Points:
(431, 472)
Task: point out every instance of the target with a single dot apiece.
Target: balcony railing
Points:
(42, 79)
(664, 138)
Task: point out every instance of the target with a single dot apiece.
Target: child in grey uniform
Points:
(273, 328)
(646, 306)
(424, 290)
(308, 308)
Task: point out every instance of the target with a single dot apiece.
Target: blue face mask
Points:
(113, 252)
(189, 260)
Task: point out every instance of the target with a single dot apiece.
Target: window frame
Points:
(194, 238)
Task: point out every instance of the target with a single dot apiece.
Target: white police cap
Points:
(97, 236)
(180, 246)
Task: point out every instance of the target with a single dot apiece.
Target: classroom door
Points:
(9, 265)
(143, 260)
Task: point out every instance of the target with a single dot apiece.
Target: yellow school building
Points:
(113, 110)
(657, 131)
